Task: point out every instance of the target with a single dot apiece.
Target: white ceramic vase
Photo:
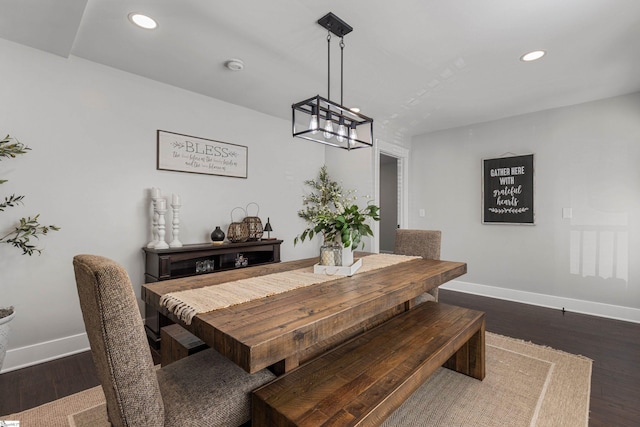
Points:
(347, 256)
(5, 329)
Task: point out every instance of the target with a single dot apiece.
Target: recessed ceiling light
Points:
(532, 56)
(355, 109)
(143, 21)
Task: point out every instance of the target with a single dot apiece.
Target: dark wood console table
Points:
(196, 259)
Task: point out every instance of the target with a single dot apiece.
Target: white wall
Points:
(586, 158)
(92, 131)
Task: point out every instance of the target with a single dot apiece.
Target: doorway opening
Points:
(388, 202)
(391, 177)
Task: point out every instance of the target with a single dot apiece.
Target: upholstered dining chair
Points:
(424, 243)
(205, 389)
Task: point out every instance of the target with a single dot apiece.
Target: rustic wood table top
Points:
(274, 330)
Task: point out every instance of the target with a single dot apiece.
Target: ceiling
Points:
(415, 66)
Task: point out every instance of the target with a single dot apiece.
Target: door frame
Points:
(402, 154)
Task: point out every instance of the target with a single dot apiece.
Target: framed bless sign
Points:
(184, 153)
(507, 190)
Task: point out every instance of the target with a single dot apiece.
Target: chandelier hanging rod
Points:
(337, 26)
(316, 118)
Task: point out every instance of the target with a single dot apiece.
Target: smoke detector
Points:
(234, 64)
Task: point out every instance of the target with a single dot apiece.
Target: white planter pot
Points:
(347, 256)
(4, 335)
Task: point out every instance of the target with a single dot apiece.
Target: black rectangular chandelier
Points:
(321, 120)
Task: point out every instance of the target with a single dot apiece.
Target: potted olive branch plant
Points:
(331, 211)
(20, 236)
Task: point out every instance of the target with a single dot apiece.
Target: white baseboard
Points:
(609, 311)
(30, 355)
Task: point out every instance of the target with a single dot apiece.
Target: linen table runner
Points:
(187, 304)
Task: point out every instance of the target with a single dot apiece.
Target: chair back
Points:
(424, 243)
(118, 342)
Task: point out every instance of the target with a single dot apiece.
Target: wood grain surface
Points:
(279, 328)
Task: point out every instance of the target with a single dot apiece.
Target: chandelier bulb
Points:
(328, 126)
(342, 130)
(313, 122)
(353, 133)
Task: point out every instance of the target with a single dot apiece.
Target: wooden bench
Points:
(177, 343)
(362, 382)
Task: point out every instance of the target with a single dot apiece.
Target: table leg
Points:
(285, 365)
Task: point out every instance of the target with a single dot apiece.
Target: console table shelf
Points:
(196, 259)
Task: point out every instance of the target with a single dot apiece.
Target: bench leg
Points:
(470, 359)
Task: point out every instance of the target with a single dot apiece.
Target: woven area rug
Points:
(525, 385)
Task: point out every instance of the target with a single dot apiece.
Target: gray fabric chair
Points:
(205, 389)
(424, 243)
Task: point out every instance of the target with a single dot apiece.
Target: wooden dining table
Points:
(283, 330)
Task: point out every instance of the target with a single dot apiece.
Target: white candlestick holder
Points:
(161, 207)
(175, 242)
(154, 223)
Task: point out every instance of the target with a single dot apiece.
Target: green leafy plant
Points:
(333, 212)
(29, 227)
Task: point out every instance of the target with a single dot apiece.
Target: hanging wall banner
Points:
(184, 153)
(508, 190)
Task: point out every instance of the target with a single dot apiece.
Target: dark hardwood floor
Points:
(33, 386)
(613, 345)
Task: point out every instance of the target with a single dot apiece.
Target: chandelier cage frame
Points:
(343, 128)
